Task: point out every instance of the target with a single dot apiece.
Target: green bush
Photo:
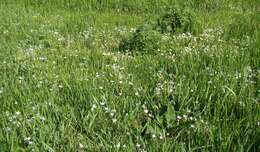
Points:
(143, 40)
(175, 21)
(149, 38)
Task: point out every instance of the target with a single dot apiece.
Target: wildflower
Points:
(42, 58)
(179, 117)
(30, 142)
(146, 111)
(27, 138)
(112, 114)
(185, 116)
(118, 145)
(150, 115)
(126, 115)
(18, 113)
(81, 145)
(138, 145)
(114, 120)
(192, 126)
(93, 107)
(143, 150)
(130, 83)
(106, 109)
(42, 118)
(153, 136)
(161, 137)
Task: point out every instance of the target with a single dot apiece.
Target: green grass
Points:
(64, 85)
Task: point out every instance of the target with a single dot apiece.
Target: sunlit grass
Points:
(65, 86)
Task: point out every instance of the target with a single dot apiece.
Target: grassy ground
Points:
(64, 86)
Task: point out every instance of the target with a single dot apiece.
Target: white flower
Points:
(146, 111)
(161, 137)
(185, 116)
(42, 118)
(112, 114)
(18, 113)
(179, 117)
(153, 136)
(150, 115)
(30, 142)
(42, 58)
(138, 145)
(93, 107)
(106, 109)
(81, 145)
(118, 145)
(114, 120)
(27, 138)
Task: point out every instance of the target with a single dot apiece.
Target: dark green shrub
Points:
(149, 38)
(143, 40)
(174, 20)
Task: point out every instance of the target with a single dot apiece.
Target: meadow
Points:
(129, 75)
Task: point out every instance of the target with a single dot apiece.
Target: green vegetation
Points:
(129, 75)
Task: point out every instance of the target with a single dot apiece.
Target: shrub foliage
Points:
(148, 38)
